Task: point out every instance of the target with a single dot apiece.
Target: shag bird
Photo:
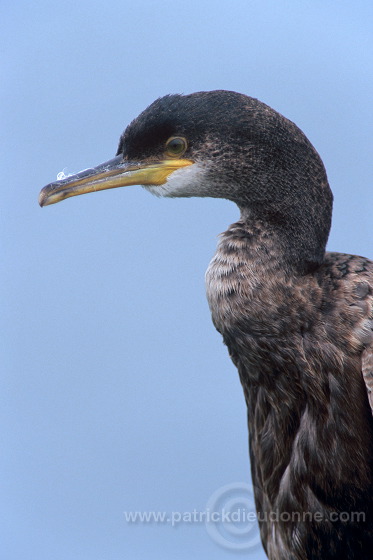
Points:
(297, 320)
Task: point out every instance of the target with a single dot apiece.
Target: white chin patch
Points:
(186, 181)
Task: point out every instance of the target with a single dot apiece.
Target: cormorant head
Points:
(218, 144)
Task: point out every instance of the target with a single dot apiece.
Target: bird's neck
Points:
(282, 238)
(250, 285)
(252, 263)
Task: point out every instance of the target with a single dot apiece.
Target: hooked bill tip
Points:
(41, 198)
(44, 198)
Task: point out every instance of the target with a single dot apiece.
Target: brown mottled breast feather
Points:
(302, 344)
(354, 275)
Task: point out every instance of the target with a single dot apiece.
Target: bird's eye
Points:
(176, 146)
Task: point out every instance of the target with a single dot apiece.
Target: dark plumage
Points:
(297, 321)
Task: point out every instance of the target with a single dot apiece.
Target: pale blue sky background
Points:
(116, 392)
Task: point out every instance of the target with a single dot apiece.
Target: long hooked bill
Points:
(109, 175)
